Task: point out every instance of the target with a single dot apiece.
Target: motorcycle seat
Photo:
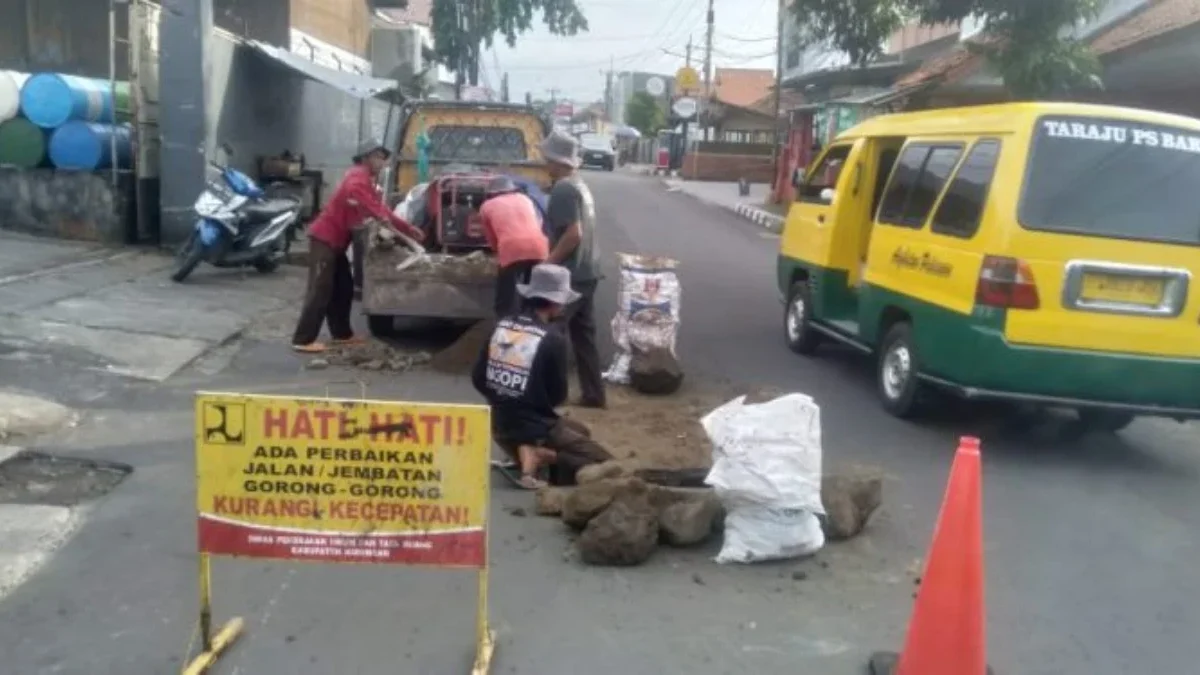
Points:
(267, 209)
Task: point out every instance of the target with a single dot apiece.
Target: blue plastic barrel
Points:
(87, 146)
(50, 100)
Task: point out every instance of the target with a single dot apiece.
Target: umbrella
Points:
(627, 132)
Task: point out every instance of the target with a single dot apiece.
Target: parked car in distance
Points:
(597, 150)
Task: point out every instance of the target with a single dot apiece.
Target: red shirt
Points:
(354, 200)
(513, 230)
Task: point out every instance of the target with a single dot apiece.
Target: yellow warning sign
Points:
(687, 81)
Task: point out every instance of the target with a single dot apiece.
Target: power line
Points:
(726, 36)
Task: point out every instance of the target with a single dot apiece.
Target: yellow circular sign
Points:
(687, 80)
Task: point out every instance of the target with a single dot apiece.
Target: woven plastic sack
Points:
(647, 314)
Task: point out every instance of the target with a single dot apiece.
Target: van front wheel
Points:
(801, 337)
(899, 384)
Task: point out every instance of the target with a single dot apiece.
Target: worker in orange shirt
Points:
(513, 230)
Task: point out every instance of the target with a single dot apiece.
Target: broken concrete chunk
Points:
(655, 372)
(22, 415)
(549, 501)
(624, 534)
(849, 501)
(689, 522)
(587, 501)
(603, 471)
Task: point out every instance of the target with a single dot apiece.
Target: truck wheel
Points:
(381, 325)
(1110, 421)
(801, 337)
(897, 373)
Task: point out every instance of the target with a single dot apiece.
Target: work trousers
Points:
(330, 295)
(580, 321)
(572, 443)
(508, 301)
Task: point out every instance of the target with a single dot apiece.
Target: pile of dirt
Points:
(655, 372)
(374, 355)
(460, 357)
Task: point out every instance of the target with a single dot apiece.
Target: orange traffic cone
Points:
(946, 632)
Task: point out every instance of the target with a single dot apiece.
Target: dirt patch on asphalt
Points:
(460, 357)
(38, 478)
(374, 355)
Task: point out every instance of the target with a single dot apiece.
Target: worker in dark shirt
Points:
(330, 294)
(522, 373)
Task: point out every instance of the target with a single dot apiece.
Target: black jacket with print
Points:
(522, 373)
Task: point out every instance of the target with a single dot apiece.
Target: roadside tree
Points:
(644, 113)
(1022, 40)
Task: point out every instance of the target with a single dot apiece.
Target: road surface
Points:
(1091, 545)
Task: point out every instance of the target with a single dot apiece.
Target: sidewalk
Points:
(116, 311)
(725, 196)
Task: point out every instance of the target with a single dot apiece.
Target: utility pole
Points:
(778, 83)
(708, 65)
(683, 146)
(504, 88)
(608, 90)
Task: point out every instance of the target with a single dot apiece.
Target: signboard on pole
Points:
(687, 81)
(685, 108)
(342, 481)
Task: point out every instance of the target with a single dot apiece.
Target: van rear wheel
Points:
(1110, 421)
(801, 337)
(898, 373)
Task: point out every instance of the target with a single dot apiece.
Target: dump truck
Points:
(468, 145)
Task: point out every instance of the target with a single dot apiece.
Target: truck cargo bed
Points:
(445, 286)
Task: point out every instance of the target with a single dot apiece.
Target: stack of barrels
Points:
(63, 121)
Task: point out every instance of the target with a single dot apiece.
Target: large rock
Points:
(690, 521)
(549, 500)
(624, 534)
(655, 372)
(594, 473)
(22, 415)
(849, 501)
(587, 501)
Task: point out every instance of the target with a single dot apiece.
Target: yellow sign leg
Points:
(485, 638)
(212, 646)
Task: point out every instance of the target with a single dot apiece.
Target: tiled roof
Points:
(418, 11)
(742, 87)
(1158, 17)
(766, 104)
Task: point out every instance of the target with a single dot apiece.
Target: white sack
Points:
(647, 310)
(767, 472)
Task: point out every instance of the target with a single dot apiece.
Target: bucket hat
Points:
(549, 282)
(368, 146)
(561, 148)
(500, 185)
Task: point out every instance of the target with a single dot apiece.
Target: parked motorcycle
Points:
(238, 224)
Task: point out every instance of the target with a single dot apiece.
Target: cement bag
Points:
(767, 473)
(647, 310)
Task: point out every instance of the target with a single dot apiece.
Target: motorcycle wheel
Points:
(266, 265)
(191, 253)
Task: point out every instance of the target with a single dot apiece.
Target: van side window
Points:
(961, 210)
(824, 176)
(920, 175)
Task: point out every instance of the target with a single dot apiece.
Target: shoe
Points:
(310, 348)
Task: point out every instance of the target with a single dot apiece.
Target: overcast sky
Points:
(633, 34)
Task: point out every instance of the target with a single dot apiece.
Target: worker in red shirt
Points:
(514, 231)
(330, 294)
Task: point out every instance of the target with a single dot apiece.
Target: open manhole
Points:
(32, 477)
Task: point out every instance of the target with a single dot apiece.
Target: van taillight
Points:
(1006, 283)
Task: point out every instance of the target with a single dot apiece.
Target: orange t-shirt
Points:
(513, 229)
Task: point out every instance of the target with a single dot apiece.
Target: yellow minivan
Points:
(1041, 253)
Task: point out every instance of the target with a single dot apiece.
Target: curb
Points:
(761, 217)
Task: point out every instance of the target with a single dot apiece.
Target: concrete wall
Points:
(67, 204)
(343, 23)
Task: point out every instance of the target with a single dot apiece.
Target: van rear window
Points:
(477, 144)
(1113, 178)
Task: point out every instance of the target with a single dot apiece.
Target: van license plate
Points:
(1122, 290)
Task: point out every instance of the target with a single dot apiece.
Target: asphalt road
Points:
(1090, 544)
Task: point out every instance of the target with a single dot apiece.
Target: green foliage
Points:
(462, 27)
(1021, 40)
(644, 113)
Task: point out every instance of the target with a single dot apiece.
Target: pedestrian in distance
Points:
(571, 224)
(514, 232)
(330, 294)
(522, 373)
